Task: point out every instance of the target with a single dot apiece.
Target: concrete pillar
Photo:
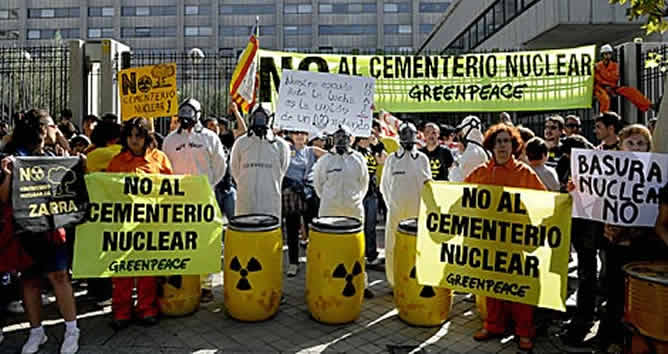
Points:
(180, 31)
(78, 92)
(380, 28)
(315, 28)
(415, 23)
(215, 22)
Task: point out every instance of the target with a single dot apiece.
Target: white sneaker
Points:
(104, 303)
(15, 307)
(33, 343)
(292, 270)
(45, 300)
(70, 342)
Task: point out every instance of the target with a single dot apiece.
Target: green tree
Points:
(656, 12)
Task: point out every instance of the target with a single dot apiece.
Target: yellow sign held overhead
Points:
(148, 91)
(501, 242)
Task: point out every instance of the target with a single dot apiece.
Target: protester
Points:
(505, 118)
(505, 170)
(405, 173)
(258, 163)
(137, 156)
(47, 250)
(89, 123)
(298, 194)
(318, 140)
(606, 126)
(470, 136)
(626, 244)
(341, 180)
(662, 219)
(373, 160)
(440, 157)
(526, 134)
(54, 142)
(79, 144)
(606, 76)
(195, 151)
(66, 126)
(554, 129)
(584, 238)
(573, 125)
(536, 152)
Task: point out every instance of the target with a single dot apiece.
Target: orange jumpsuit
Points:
(153, 162)
(608, 75)
(513, 174)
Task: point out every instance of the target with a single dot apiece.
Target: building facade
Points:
(223, 26)
(478, 25)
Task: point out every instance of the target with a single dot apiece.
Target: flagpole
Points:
(257, 60)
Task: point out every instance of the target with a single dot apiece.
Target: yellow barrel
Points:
(180, 295)
(418, 305)
(252, 275)
(335, 269)
(481, 304)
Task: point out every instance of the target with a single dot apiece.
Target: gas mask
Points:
(189, 113)
(468, 124)
(342, 140)
(407, 136)
(260, 122)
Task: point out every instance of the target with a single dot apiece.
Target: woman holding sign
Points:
(137, 156)
(504, 170)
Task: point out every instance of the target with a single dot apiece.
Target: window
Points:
(297, 30)
(355, 8)
(194, 31)
(62, 12)
(194, 10)
(438, 7)
(139, 32)
(398, 29)
(397, 7)
(107, 11)
(100, 11)
(348, 8)
(243, 9)
(149, 11)
(94, 32)
(33, 34)
(64, 33)
(510, 8)
(426, 28)
(48, 13)
(325, 8)
(4, 14)
(244, 31)
(347, 29)
(498, 15)
(142, 11)
(191, 10)
(298, 9)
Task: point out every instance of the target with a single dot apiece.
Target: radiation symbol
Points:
(175, 281)
(37, 173)
(341, 272)
(145, 84)
(252, 266)
(427, 291)
(435, 164)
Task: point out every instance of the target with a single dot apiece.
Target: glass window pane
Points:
(33, 34)
(191, 10)
(75, 12)
(498, 15)
(267, 30)
(107, 32)
(205, 31)
(305, 9)
(94, 33)
(355, 8)
(204, 10)
(107, 11)
(169, 31)
(142, 32)
(4, 14)
(404, 7)
(325, 8)
(369, 8)
(142, 11)
(128, 11)
(48, 13)
(405, 29)
(290, 9)
(191, 31)
(340, 8)
(426, 28)
(510, 9)
(389, 7)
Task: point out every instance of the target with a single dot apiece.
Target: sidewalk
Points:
(292, 330)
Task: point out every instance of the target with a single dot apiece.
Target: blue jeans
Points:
(226, 201)
(370, 209)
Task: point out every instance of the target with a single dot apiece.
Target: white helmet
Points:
(606, 49)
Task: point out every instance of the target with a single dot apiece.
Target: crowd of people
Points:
(256, 169)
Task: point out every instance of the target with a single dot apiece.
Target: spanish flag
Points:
(243, 87)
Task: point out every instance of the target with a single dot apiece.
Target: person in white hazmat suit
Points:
(405, 173)
(196, 151)
(341, 180)
(471, 136)
(258, 163)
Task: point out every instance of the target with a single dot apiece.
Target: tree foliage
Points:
(656, 12)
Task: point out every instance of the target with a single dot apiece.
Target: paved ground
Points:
(292, 330)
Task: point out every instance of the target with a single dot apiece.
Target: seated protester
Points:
(48, 250)
(137, 156)
(504, 170)
(536, 153)
(662, 219)
(626, 244)
(79, 144)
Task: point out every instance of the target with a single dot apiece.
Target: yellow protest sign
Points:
(148, 91)
(148, 225)
(501, 242)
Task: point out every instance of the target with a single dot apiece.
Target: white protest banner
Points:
(618, 187)
(320, 102)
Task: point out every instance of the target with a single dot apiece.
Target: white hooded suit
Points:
(473, 156)
(258, 166)
(341, 181)
(404, 175)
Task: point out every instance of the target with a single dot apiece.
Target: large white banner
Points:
(618, 187)
(318, 102)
